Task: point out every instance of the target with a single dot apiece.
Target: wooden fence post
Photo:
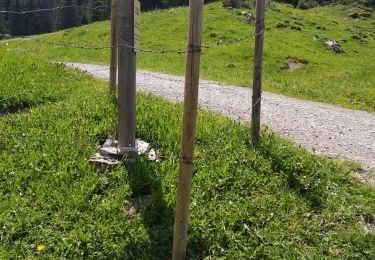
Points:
(126, 77)
(114, 43)
(257, 78)
(188, 129)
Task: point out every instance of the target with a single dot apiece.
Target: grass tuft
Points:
(277, 201)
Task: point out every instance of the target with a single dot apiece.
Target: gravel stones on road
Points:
(329, 130)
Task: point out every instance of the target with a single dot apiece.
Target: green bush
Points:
(239, 3)
(307, 4)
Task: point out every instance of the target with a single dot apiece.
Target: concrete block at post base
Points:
(110, 154)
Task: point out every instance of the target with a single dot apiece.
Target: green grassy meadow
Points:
(341, 79)
(276, 201)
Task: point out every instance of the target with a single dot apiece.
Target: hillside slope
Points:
(343, 79)
(277, 201)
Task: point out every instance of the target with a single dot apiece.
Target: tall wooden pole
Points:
(257, 78)
(126, 77)
(188, 128)
(114, 43)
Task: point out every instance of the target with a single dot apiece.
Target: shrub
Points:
(307, 4)
(239, 3)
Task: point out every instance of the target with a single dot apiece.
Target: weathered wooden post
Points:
(127, 73)
(188, 129)
(257, 78)
(114, 43)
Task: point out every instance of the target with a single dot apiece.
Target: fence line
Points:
(211, 147)
(50, 9)
(201, 157)
(167, 51)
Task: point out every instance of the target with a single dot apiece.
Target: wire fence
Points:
(206, 151)
(52, 9)
(165, 51)
(99, 48)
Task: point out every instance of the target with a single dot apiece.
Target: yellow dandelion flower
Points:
(41, 248)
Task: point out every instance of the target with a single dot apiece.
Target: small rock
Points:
(152, 155)
(249, 18)
(142, 146)
(369, 223)
(354, 15)
(110, 142)
(106, 151)
(132, 213)
(103, 160)
(334, 46)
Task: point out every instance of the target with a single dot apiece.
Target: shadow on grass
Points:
(15, 108)
(304, 174)
(148, 200)
(10, 106)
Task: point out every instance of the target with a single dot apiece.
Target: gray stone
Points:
(334, 46)
(152, 155)
(354, 15)
(142, 147)
(249, 18)
(103, 160)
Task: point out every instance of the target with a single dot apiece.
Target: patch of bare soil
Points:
(135, 205)
(294, 64)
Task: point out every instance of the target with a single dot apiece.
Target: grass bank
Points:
(278, 201)
(341, 79)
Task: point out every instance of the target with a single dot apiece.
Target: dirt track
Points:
(329, 130)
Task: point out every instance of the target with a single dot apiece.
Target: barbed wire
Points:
(224, 137)
(99, 48)
(51, 9)
(202, 155)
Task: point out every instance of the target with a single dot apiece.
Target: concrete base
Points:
(111, 155)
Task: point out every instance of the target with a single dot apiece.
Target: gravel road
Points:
(329, 130)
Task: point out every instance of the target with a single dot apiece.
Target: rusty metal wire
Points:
(50, 9)
(99, 48)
